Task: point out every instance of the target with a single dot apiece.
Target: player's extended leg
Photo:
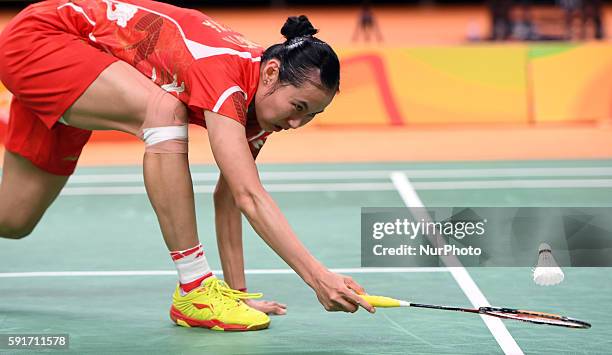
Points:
(121, 98)
(25, 194)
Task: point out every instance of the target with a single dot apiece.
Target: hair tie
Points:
(296, 42)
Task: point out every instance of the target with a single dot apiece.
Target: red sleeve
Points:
(216, 87)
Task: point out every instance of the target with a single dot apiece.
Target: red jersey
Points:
(188, 54)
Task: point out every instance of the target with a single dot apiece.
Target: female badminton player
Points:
(149, 69)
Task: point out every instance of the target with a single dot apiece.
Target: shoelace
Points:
(219, 286)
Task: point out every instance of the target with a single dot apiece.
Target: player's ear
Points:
(271, 72)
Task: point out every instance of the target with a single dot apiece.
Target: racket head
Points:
(534, 317)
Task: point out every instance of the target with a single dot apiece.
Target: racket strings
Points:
(538, 318)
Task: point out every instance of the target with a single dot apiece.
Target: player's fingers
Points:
(274, 303)
(277, 308)
(280, 305)
(338, 303)
(279, 311)
(353, 285)
(347, 305)
(357, 300)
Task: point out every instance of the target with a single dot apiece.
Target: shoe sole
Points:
(214, 324)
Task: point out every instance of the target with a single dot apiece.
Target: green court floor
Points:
(56, 280)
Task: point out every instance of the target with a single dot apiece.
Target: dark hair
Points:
(302, 53)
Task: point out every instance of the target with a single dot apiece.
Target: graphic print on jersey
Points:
(151, 24)
(120, 12)
(240, 105)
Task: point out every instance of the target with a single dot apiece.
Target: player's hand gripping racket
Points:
(506, 313)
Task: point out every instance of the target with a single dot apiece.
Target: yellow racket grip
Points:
(383, 302)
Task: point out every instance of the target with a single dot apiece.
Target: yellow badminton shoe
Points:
(216, 306)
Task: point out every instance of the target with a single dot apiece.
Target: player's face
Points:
(280, 107)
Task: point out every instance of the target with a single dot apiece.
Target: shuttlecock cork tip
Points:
(544, 247)
(547, 273)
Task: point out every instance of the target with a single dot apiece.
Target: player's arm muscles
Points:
(228, 227)
(228, 224)
(234, 158)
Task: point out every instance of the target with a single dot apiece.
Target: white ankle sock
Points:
(192, 267)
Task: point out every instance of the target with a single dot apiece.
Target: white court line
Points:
(208, 189)
(365, 174)
(365, 186)
(513, 184)
(460, 274)
(370, 270)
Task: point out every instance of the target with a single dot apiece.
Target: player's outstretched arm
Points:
(233, 156)
(228, 228)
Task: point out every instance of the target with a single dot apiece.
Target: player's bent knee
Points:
(16, 231)
(165, 126)
(17, 226)
(169, 139)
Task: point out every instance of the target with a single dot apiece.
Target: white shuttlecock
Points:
(547, 273)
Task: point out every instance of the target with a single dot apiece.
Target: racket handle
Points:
(384, 302)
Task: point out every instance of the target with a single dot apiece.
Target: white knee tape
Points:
(164, 129)
(169, 139)
(157, 135)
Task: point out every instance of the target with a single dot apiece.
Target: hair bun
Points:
(297, 26)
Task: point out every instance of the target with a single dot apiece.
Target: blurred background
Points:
(431, 80)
